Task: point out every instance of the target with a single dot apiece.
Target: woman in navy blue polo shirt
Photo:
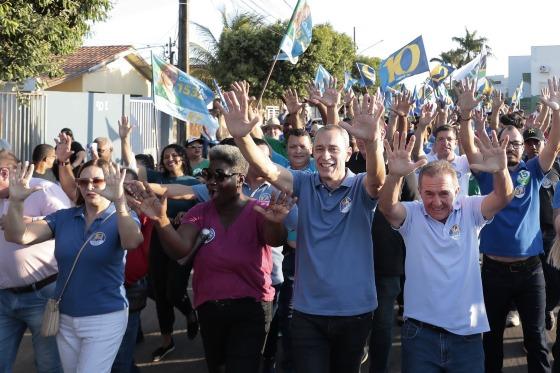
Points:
(93, 309)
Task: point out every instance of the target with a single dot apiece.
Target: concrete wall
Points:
(117, 77)
(517, 65)
(548, 56)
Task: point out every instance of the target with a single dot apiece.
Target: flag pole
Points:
(268, 78)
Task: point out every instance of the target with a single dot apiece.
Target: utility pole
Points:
(183, 62)
(355, 46)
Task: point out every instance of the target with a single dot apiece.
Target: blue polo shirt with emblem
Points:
(96, 286)
(515, 230)
(334, 255)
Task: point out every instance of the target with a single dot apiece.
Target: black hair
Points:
(68, 132)
(182, 153)
(444, 128)
(40, 153)
(146, 160)
(101, 163)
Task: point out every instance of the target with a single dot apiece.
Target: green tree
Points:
(246, 49)
(469, 46)
(32, 32)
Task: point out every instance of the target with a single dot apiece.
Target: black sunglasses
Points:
(217, 175)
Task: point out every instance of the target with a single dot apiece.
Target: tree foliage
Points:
(469, 46)
(246, 49)
(32, 32)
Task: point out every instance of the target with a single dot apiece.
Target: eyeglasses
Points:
(217, 175)
(84, 182)
(515, 144)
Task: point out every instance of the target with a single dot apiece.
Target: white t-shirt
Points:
(443, 285)
(24, 265)
(461, 165)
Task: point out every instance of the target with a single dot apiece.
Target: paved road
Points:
(189, 357)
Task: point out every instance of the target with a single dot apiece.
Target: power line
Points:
(264, 10)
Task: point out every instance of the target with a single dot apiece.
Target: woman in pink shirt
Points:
(231, 282)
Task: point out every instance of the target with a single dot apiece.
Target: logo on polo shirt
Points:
(523, 177)
(265, 198)
(345, 205)
(546, 183)
(211, 235)
(97, 239)
(519, 191)
(455, 231)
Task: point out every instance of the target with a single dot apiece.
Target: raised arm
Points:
(275, 213)
(330, 99)
(400, 165)
(295, 107)
(427, 116)
(401, 107)
(497, 107)
(15, 228)
(65, 172)
(367, 125)
(495, 162)
(129, 231)
(127, 155)
(467, 102)
(240, 127)
(552, 147)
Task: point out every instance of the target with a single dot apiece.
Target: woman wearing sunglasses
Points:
(93, 308)
(231, 284)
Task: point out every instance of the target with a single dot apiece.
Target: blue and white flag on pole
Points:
(322, 78)
(407, 61)
(348, 81)
(180, 95)
(367, 74)
(299, 32)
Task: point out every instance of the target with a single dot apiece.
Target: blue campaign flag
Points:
(299, 32)
(181, 95)
(440, 73)
(407, 61)
(367, 74)
(322, 78)
(348, 81)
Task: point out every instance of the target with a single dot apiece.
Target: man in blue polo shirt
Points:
(334, 293)
(443, 301)
(511, 244)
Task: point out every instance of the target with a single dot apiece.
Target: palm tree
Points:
(469, 46)
(204, 59)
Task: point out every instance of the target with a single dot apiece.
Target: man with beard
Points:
(512, 242)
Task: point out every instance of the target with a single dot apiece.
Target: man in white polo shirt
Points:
(443, 299)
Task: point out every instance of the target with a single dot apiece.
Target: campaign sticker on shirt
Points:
(345, 205)
(546, 183)
(97, 239)
(458, 175)
(523, 177)
(211, 235)
(519, 191)
(455, 232)
(265, 198)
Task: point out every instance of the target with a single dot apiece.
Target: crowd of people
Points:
(294, 231)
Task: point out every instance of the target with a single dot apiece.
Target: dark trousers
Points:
(169, 283)
(380, 342)
(524, 284)
(233, 334)
(332, 344)
(286, 308)
(271, 344)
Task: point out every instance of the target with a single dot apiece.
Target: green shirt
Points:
(277, 145)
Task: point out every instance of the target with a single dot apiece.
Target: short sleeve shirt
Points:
(334, 255)
(515, 230)
(96, 285)
(173, 206)
(234, 262)
(443, 285)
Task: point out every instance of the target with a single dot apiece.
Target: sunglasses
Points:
(217, 175)
(84, 182)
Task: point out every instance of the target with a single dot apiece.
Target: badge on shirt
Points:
(546, 183)
(345, 205)
(265, 198)
(97, 239)
(455, 231)
(523, 177)
(211, 235)
(519, 191)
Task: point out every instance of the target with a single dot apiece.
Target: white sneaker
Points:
(512, 319)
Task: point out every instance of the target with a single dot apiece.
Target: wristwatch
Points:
(63, 163)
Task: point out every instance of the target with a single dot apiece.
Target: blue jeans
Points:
(124, 362)
(286, 309)
(525, 286)
(332, 344)
(19, 312)
(425, 351)
(388, 288)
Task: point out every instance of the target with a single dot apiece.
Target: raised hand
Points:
(479, 118)
(150, 204)
(292, 102)
(494, 156)
(237, 117)
(63, 147)
(278, 208)
(465, 91)
(19, 188)
(427, 115)
(398, 157)
(402, 104)
(348, 97)
(124, 127)
(551, 96)
(366, 124)
(498, 101)
(114, 184)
